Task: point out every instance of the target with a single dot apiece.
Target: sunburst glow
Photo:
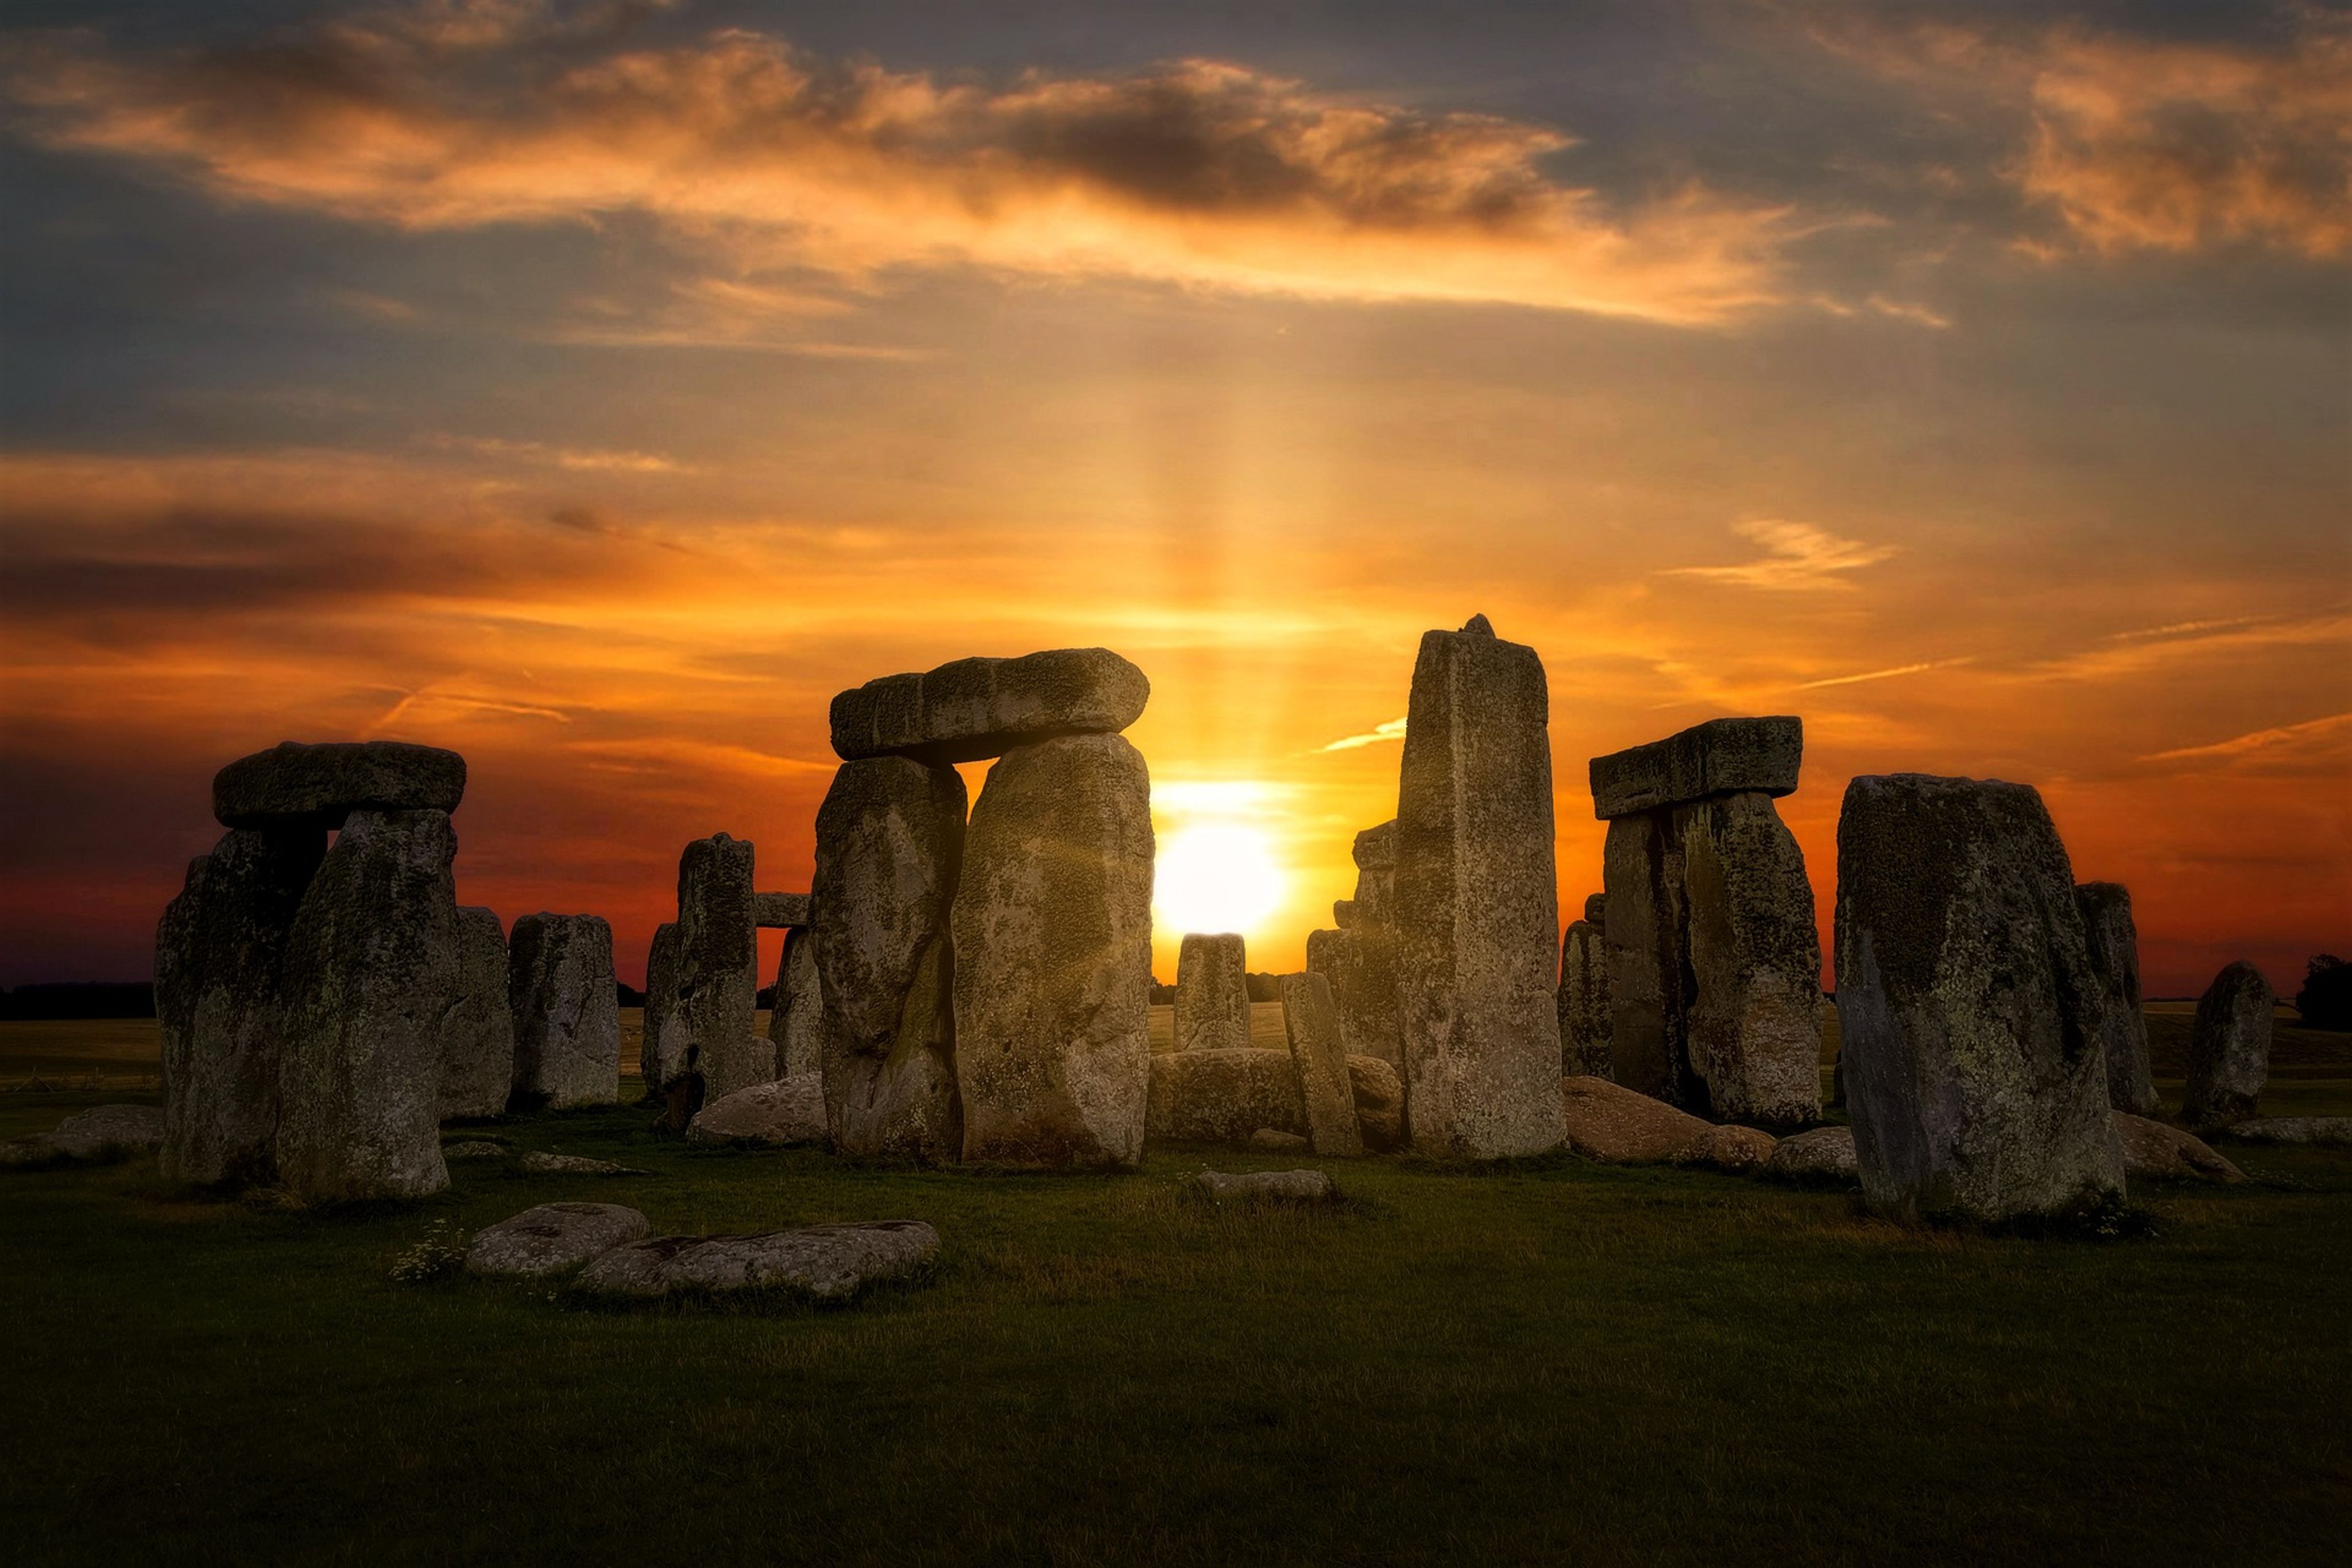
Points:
(1216, 876)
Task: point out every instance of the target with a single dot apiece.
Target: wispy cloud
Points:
(590, 459)
(1393, 729)
(2284, 736)
(1886, 674)
(1797, 557)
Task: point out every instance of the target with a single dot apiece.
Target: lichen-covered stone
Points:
(1476, 905)
(1970, 1011)
(567, 1015)
(819, 1262)
(796, 1024)
(1212, 1004)
(890, 846)
(294, 785)
(1822, 1155)
(1053, 968)
(717, 1006)
(977, 708)
(661, 1041)
(2115, 958)
(1360, 965)
(1584, 1001)
(2319, 1132)
(2228, 1048)
(780, 911)
(789, 1111)
(1754, 1013)
(552, 1238)
(1721, 756)
(1379, 1093)
(1311, 1025)
(478, 1037)
(1617, 1125)
(2155, 1151)
(1375, 856)
(1223, 1096)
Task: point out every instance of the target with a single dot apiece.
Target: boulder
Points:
(294, 785)
(1223, 1096)
(1212, 1003)
(2114, 959)
(370, 970)
(2323, 1132)
(541, 1162)
(780, 911)
(1378, 1090)
(1753, 1030)
(789, 1111)
(1266, 1141)
(1477, 908)
(661, 1041)
(1736, 1148)
(827, 1263)
(1053, 944)
(1584, 1001)
(552, 1238)
(1275, 1186)
(2228, 1048)
(1823, 1155)
(890, 844)
(796, 1024)
(973, 709)
(1721, 756)
(1615, 1125)
(103, 1132)
(2161, 1152)
(567, 1011)
(716, 1012)
(1971, 1018)
(478, 1037)
(1360, 965)
(1311, 1025)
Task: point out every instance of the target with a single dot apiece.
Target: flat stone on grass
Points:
(104, 1132)
(1823, 1155)
(1279, 1186)
(2155, 1151)
(2324, 1131)
(789, 1111)
(827, 1263)
(540, 1163)
(552, 1238)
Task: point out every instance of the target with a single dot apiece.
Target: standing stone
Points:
(219, 956)
(1970, 1012)
(1584, 1001)
(2115, 958)
(1754, 1031)
(2228, 1048)
(1053, 941)
(661, 1038)
(1360, 965)
(977, 708)
(1223, 1096)
(1477, 907)
(1312, 1024)
(889, 843)
(1375, 857)
(370, 970)
(717, 977)
(796, 1023)
(477, 1038)
(567, 1011)
(1647, 949)
(1212, 1005)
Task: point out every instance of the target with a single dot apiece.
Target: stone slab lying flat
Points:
(2328, 1132)
(822, 1263)
(1823, 1155)
(1285, 1186)
(293, 783)
(1721, 756)
(540, 1163)
(788, 1111)
(103, 1132)
(473, 1149)
(552, 1238)
(2152, 1149)
(973, 709)
(780, 911)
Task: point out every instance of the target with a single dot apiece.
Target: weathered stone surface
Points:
(977, 708)
(102, 1132)
(789, 1111)
(541, 1162)
(2228, 1048)
(661, 1041)
(473, 1149)
(2324, 1131)
(1212, 1004)
(1646, 940)
(552, 1238)
(567, 1013)
(1275, 1186)
(293, 785)
(796, 1024)
(1223, 1096)
(717, 976)
(1344, 913)
(1721, 756)
(1614, 1124)
(1053, 943)
(1754, 1031)
(1379, 1091)
(2159, 1153)
(822, 1263)
(1734, 1148)
(890, 846)
(1311, 1025)
(1375, 854)
(220, 953)
(1584, 1000)
(1266, 1141)
(478, 1037)
(2114, 959)
(780, 911)
(370, 970)
(1477, 905)
(1596, 908)
(1360, 965)
(1970, 1014)
(1824, 1155)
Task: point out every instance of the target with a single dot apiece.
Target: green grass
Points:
(1557, 1362)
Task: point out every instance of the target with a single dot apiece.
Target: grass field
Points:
(1552, 1361)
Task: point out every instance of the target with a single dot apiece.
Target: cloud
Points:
(1885, 674)
(1196, 172)
(2325, 734)
(1392, 730)
(1797, 557)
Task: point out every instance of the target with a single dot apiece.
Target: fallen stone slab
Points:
(103, 1132)
(475, 1149)
(820, 1262)
(1721, 756)
(319, 785)
(552, 1238)
(1823, 1155)
(1612, 1123)
(1737, 1148)
(541, 1162)
(2155, 1151)
(1268, 1141)
(788, 1111)
(780, 911)
(1223, 1096)
(973, 709)
(2323, 1132)
(1280, 1186)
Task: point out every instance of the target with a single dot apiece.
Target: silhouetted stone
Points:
(567, 1014)
(1970, 1013)
(1379, 1091)
(2228, 1048)
(2115, 958)
(478, 1037)
(819, 1262)
(1344, 913)
(552, 1238)
(661, 1042)
(1375, 857)
(889, 843)
(780, 911)
(796, 1023)
(294, 785)
(1311, 1025)
(1053, 943)
(1223, 1096)
(1584, 1001)
(2153, 1150)
(1267, 1187)
(1477, 905)
(1360, 965)
(1647, 941)
(371, 969)
(718, 973)
(977, 708)
(789, 1111)
(1721, 756)
(1754, 1031)
(1213, 1002)
(1596, 908)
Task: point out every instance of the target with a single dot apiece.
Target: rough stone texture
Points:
(1345, 915)
(1754, 1016)
(1375, 855)
(2324, 1131)
(478, 1037)
(541, 1162)
(552, 1238)
(1223, 1096)
(977, 708)
(1584, 1001)
(370, 970)
(2114, 959)
(220, 954)
(1824, 1155)
(1721, 756)
(1279, 1187)
(1212, 1004)
(1053, 941)
(473, 1149)
(2155, 1151)
(1970, 1013)
(1477, 908)
(796, 1024)
(780, 911)
(102, 1132)
(567, 1014)
(1740, 1148)
(2228, 1048)
(661, 1042)
(1619, 1127)
(1379, 1091)
(1311, 1025)
(1360, 965)
(1266, 1141)
(1596, 909)
(717, 975)
(789, 1111)
(1645, 940)
(319, 786)
(889, 846)
(821, 1262)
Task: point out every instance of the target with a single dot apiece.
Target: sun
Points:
(1216, 876)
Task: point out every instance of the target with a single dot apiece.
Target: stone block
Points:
(977, 708)
(1721, 756)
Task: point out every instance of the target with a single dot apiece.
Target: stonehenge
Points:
(567, 1018)
(2229, 1049)
(1212, 1004)
(2115, 958)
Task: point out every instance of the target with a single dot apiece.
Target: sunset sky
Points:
(597, 389)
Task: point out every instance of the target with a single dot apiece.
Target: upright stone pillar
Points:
(1585, 994)
(717, 977)
(2115, 958)
(1477, 907)
(796, 1024)
(661, 1040)
(1311, 1024)
(567, 1013)
(477, 1038)
(2228, 1048)
(1212, 1005)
